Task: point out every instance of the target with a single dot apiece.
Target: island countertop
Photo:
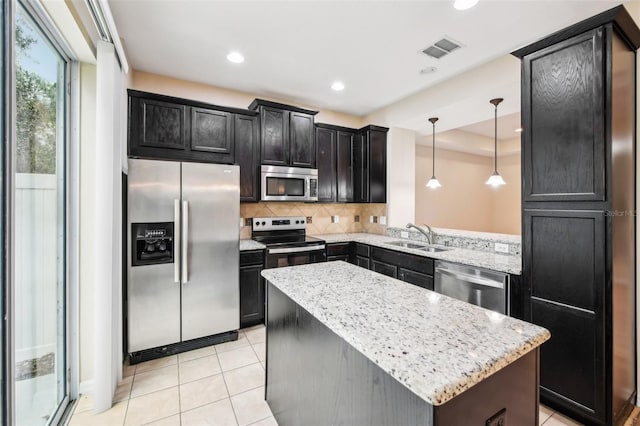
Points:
(434, 345)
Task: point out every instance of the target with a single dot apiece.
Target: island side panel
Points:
(514, 389)
(316, 378)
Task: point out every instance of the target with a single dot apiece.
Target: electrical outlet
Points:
(335, 219)
(247, 221)
(502, 248)
(383, 220)
(309, 219)
(241, 222)
(404, 234)
(373, 219)
(356, 218)
(498, 419)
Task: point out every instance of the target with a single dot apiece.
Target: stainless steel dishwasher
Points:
(482, 287)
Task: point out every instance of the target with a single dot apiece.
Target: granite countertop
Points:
(246, 245)
(434, 345)
(488, 260)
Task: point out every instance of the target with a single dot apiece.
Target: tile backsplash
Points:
(320, 214)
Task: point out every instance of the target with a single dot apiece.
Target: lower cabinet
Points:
(252, 296)
(417, 270)
(338, 251)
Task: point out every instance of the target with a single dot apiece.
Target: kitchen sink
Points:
(407, 244)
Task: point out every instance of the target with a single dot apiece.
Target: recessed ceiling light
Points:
(518, 130)
(337, 86)
(235, 57)
(464, 4)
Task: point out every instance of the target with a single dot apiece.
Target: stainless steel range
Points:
(287, 242)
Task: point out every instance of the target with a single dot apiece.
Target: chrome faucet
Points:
(429, 234)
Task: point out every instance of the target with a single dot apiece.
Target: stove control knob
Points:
(264, 223)
(257, 223)
(297, 222)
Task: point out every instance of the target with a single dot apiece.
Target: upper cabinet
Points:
(247, 147)
(563, 109)
(352, 164)
(370, 165)
(164, 127)
(287, 134)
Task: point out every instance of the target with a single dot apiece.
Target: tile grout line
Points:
(235, 415)
(179, 394)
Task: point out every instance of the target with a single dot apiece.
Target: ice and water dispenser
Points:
(152, 243)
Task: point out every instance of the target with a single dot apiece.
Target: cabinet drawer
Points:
(420, 264)
(254, 257)
(413, 277)
(338, 249)
(384, 268)
(362, 262)
(363, 250)
(344, 257)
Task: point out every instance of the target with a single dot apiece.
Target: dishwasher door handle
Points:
(470, 278)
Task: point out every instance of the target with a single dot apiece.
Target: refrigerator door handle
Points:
(176, 249)
(185, 243)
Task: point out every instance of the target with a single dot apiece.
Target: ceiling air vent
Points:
(441, 48)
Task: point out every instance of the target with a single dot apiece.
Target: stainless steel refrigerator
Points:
(183, 260)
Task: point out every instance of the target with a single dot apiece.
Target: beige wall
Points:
(170, 86)
(464, 201)
(506, 202)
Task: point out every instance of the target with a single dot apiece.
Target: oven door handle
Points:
(295, 249)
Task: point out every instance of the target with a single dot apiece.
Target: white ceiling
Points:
(295, 49)
(507, 125)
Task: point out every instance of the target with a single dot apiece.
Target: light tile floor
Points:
(217, 385)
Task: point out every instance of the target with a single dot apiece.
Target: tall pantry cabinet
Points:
(578, 213)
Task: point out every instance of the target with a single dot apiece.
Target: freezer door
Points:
(210, 287)
(153, 298)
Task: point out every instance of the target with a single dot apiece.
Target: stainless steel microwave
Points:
(288, 184)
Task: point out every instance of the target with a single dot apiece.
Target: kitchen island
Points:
(348, 346)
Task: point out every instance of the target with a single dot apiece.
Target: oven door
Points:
(290, 256)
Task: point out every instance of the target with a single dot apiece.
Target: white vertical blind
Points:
(107, 358)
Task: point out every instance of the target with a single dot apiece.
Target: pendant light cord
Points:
(433, 152)
(495, 140)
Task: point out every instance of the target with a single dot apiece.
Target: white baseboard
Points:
(86, 387)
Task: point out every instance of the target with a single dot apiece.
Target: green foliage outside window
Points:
(36, 100)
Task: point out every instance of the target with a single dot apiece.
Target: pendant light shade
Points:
(433, 183)
(495, 179)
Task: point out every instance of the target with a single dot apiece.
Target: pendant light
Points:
(433, 182)
(495, 179)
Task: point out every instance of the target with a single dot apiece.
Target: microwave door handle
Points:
(177, 240)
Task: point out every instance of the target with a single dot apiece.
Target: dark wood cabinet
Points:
(417, 270)
(326, 164)
(370, 165)
(167, 128)
(247, 146)
(156, 125)
(212, 132)
(287, 136)
(302, 140)
(578, 171)
(339, 251)
(344, 165)
(274, 137)
(334, 160)
(252, 293)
